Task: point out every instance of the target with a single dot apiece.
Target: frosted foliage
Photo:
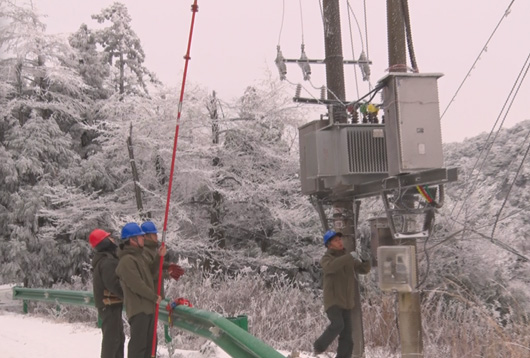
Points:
(123, 49)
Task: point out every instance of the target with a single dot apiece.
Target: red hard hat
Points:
(97, 236)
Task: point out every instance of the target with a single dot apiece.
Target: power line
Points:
(281, 25)
(352, 48)
(484, 49)
(512, 95)
(511, 186)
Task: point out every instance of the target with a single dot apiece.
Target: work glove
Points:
(175, 271)
(362, 255)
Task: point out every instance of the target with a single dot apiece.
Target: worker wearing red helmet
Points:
(108, 295)
(339, 271)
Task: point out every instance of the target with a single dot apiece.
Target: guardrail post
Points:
(241, 321)
(166, 334)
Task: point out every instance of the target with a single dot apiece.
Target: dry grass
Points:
(289, 317)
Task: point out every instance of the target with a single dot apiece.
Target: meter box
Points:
(397, 268)
(412, 122)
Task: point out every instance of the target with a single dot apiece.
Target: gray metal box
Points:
(338, 156)
(397, 268)
(412, 120)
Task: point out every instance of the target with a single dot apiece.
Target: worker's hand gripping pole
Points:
(194, 9)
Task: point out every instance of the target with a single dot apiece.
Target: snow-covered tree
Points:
(42, 101)
(123, 49)
(91, 63)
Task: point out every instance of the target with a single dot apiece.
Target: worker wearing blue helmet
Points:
(153, 257)
(339, 270)
(139, 293)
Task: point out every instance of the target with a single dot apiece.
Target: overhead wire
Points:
(281, 24)
(487, 148)
(351, 44)
(510, 189)
(367, 40)
(301, 20)
(484, 49)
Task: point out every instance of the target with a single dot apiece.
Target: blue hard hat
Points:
(149, 228)
(131, 229)
(330, 234)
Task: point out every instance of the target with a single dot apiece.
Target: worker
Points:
(108, 295)
(138, 290)
(339, 274)
(152, 256)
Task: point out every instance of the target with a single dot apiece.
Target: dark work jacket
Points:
(136, 281)
(106, 285)
(153, 259)
(340, 268)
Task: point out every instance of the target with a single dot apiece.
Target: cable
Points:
(367, 42)
(305, 89)
(484, 49)
(372, 92)
(301, 20)
(356, 22)
(511, 186)
(281, 25)
(513, 93)
(351, 44)
(408, 31)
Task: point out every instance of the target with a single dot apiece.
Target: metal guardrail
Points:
(227, 333)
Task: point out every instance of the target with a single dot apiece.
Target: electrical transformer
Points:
(336, 157)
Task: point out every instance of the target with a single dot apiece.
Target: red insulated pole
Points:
(194, 9)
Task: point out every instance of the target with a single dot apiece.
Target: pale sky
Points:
(234, 45)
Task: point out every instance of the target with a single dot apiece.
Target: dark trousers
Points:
(112, 329)
(340, 325)
(142, 329)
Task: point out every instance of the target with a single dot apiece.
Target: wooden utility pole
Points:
(343, 216)
(409, 303)
(334, 59)
(136, 178)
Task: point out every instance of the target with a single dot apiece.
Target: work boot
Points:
(316, 351)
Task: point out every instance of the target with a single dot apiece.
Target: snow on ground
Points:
(29, 336)
(24, 336)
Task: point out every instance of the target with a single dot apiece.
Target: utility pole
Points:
(334, 59)
(136, 178)
(344, 219)
(409, 303)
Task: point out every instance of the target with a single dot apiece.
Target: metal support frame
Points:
(347, 62)
(377, 187)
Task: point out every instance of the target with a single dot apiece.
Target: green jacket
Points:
(153, 259)
(136, 281)
(106, 284)
(340, 269)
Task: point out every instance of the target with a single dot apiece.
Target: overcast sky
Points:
(234, 45)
